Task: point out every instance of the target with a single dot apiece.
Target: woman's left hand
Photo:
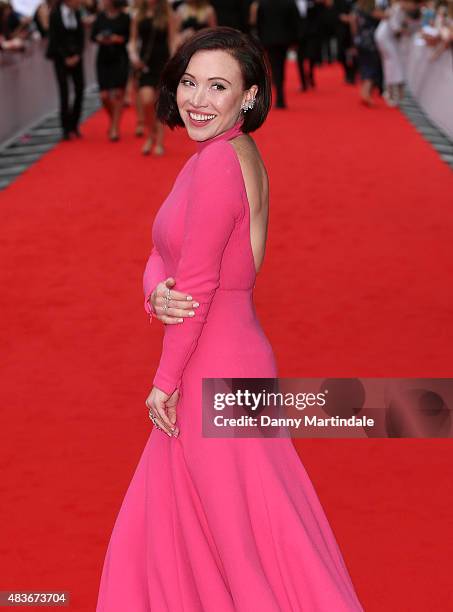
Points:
(163, 408)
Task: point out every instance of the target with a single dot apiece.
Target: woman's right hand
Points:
(180, 305)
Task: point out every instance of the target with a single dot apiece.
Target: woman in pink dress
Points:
(216, 524)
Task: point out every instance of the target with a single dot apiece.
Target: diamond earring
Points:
(248, 105)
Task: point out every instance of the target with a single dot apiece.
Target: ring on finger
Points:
(151, 416)
(150, 412)
(153, 419)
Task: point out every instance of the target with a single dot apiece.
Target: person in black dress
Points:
(111, 31)
(277, 26)
(66, 38)
(153, 39)
(194, 15)
(364, 21)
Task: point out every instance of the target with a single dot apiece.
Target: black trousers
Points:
(345, 55)
(277, 60)
(70, 114)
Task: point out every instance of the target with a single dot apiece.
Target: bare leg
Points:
(147, 95)
(365, 92)
(139, 129)
(389, 94)
(159, 131)
(117, 109)
(106, 102)
(129, 90)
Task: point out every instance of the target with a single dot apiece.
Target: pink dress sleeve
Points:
(154, 274)
(214, 206)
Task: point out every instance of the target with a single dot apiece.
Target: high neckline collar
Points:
(232, 132)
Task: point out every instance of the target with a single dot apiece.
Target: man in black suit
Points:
(65, 49)
(312, 13)
(277, 24)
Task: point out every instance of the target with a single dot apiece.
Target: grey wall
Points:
(28, 90)
(431, 82)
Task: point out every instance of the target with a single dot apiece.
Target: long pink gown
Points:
(210, 524)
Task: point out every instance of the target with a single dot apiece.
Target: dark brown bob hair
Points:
(250, 56)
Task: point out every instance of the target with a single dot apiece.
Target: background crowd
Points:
(136, 38)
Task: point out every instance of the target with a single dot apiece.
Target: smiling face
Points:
(210, 94)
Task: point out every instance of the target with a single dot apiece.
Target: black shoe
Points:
(77, 133)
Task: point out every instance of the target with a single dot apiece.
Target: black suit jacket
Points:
(277, 22)
(63, 42)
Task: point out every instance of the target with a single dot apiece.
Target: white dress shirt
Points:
(68, 16)
(302, 7)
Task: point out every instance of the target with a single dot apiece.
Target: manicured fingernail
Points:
(189, 297)
(196, 304)
(191, 313)
(180, 320)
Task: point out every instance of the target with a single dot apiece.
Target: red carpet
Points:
(356, 282)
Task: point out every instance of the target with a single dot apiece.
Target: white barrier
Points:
(431, 82)
(28, 89)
